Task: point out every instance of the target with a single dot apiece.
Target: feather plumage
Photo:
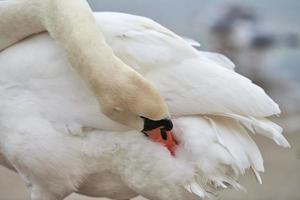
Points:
(214, 110)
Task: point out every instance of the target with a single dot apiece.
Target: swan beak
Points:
(160, 132)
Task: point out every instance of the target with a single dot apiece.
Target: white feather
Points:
(192, 42)
(218, 58)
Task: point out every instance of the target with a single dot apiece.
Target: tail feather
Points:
(263, 127)
(221, 149)
(257, 175)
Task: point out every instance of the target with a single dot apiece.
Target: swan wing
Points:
(192, 82)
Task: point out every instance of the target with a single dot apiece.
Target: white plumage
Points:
(52, 133)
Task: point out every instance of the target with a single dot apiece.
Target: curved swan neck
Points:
(73, 26)
(18, 20)
(85, 46)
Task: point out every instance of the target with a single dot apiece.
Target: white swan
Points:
(53, 135)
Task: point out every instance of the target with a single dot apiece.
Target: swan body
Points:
(53, 133)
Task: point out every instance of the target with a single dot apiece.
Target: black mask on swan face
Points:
(152, 124)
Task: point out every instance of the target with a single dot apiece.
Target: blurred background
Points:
(263, 40)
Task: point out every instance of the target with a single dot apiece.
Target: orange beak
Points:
(164, 137)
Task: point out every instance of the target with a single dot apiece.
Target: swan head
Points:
(138, 105)
(134, 102)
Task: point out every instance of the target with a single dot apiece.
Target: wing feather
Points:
(192, 82)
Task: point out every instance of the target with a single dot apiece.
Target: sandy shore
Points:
(281, 181)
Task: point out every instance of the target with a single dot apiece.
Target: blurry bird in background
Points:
(238, 34)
